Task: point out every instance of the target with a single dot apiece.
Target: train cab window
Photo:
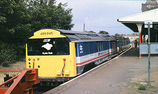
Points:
(52, 46)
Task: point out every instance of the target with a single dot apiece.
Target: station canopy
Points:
(133, 21)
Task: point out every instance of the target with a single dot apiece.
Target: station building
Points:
(136, 23)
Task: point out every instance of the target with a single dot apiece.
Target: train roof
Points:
(107, 36)
(73, 36)
(76, 36)
(119, 37)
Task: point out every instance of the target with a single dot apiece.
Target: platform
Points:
(111, 78)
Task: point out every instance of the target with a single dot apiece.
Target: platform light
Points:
(146, 22)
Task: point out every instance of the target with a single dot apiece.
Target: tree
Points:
(14, 29)
(117, 34)
(19, 19)
(103, 32)
(50, 15)
(14, 23)
(90, 31)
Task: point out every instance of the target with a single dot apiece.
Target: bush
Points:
(7, 55)
(141, 87)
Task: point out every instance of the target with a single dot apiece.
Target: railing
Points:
(22, 83)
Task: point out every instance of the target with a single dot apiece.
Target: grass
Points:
(140, 86)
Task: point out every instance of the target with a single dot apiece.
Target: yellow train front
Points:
(61, 55)
(49, 51)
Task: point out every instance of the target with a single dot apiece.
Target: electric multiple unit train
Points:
(62, 54)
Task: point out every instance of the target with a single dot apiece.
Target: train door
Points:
(113, 47)
(109, 49)
(118, 46)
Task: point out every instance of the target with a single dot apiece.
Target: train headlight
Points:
(29, 59)
(38, 59)
(58, 72)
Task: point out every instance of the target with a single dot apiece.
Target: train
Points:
(60, 55)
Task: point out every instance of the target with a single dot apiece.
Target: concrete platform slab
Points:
(111, 78)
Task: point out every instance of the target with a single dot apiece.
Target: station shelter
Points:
(136, 23)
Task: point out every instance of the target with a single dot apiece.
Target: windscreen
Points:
(50, 46)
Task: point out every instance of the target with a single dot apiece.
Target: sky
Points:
(101, 15)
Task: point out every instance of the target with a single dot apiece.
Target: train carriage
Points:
(62, 54)
(92, 51)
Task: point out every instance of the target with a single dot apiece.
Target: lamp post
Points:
(148, 24)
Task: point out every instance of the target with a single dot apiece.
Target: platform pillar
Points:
(139, 25)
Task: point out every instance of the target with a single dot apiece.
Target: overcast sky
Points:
(102, 14)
